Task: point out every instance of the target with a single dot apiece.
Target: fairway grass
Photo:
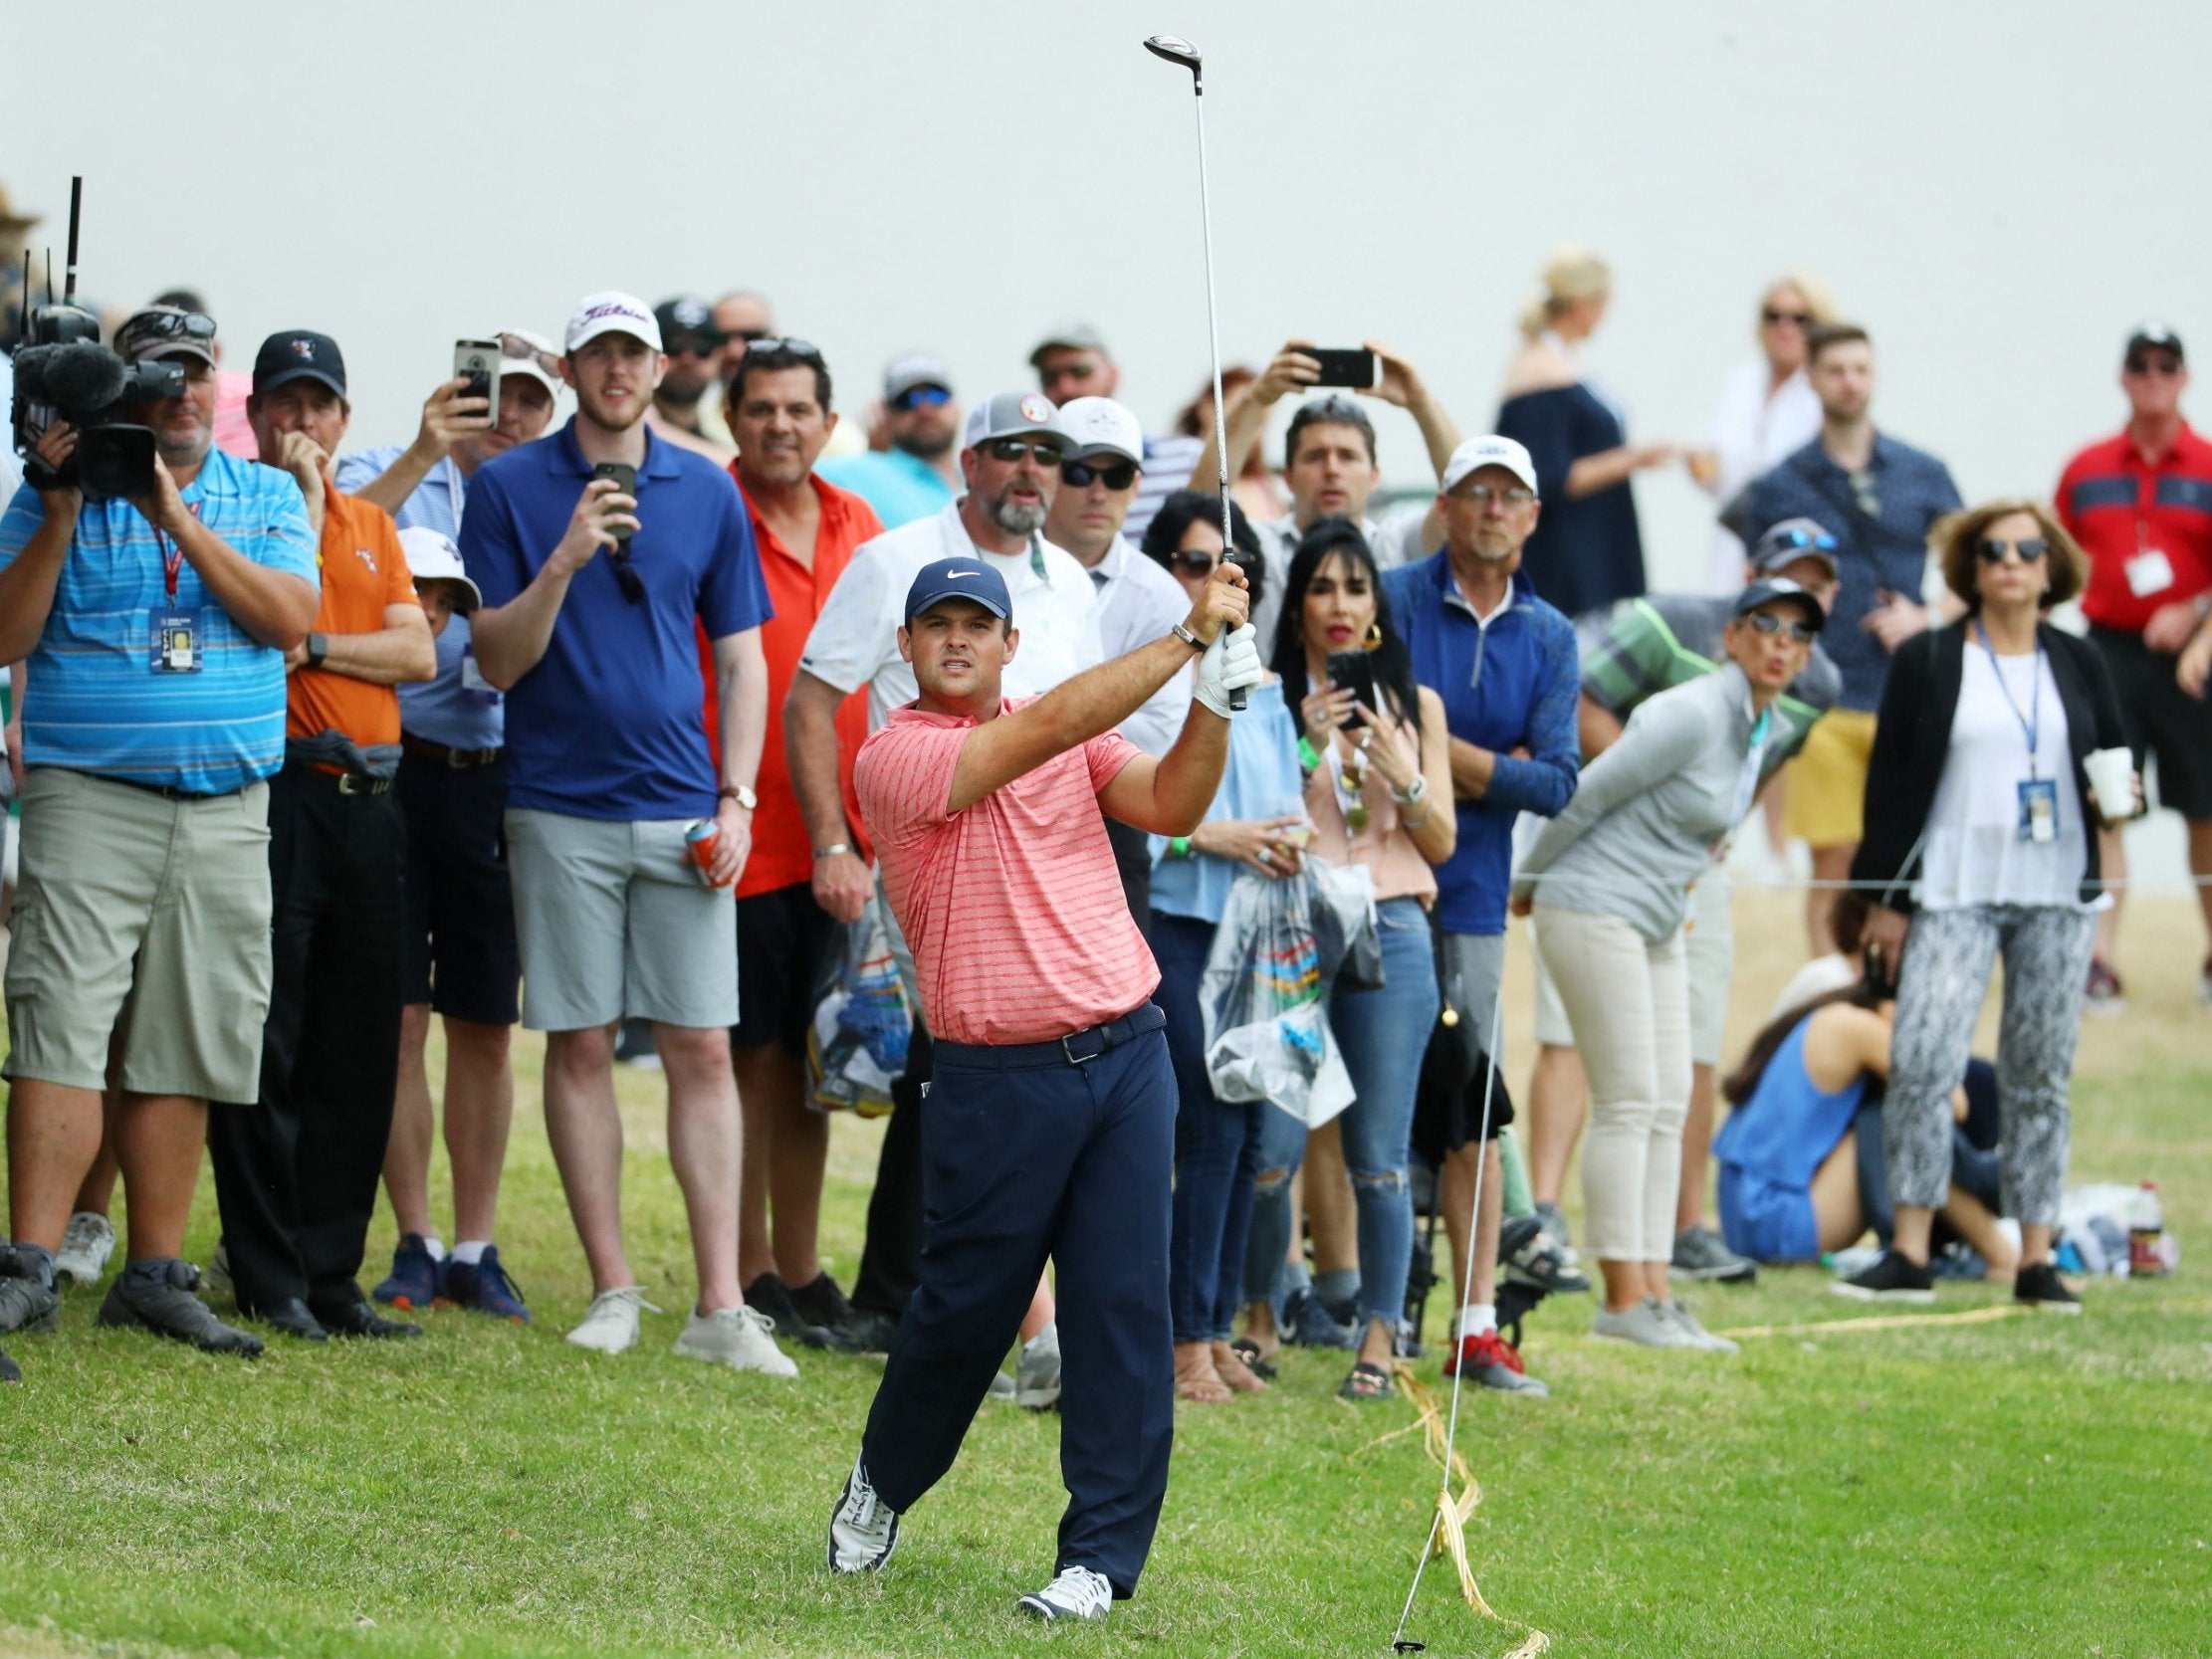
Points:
(2029, 1485)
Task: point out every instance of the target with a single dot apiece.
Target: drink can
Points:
(700, 840)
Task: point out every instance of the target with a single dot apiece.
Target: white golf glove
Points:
(1231, 664)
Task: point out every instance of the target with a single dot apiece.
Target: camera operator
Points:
(145, 865)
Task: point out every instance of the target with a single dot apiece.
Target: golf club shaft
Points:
(1236, 697)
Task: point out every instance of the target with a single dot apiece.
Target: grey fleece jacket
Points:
(1649, 812)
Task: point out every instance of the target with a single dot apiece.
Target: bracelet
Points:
(1308, 759)
(835, 848)
(1178, 846)
(1187, 637)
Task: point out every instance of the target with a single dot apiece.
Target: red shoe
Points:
(1493, 1363)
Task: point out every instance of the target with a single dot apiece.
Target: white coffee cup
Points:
(2111, 774)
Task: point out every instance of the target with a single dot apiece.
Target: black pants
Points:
(296, 1172)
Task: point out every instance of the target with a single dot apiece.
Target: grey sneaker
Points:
(161, 1300)
(863, 1530)
(1555, 1223)
(1645, 1324)
(1077, 1593)
(1693, 1334)
(86, 1247)
(26, 1303)
(1036, 1375)
(1699, 1254)
(1001, 1387)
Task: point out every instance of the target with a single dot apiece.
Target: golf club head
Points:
(1175, 50)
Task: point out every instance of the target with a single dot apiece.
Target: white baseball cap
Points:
(1491, 450)
(432, 556)
(611, 313)
(1100, 426)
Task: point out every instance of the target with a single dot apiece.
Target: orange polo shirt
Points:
(363, 570)
(783, 854)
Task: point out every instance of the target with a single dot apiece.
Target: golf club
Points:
(1178, 51)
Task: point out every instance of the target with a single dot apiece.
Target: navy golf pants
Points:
(1025, 1157)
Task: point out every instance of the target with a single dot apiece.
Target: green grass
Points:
(2022, 1486)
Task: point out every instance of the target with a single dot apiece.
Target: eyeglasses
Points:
(1481, 495)
(790, 347)
(921, 397)
(1045, 451)
(1766, 622)
(1120, 475)
(2163, 365)
(1774, 318)
(517, 348)
(2030, 549)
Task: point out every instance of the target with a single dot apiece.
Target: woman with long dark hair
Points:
(1980, 842)
(1378, 789)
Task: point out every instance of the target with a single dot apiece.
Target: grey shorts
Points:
(146, 921)
(1709, 944)
(614, 924)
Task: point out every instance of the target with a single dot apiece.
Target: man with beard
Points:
(693, 346)
(918, 474)
(1011, 462)
(595, 549)
(145, 839)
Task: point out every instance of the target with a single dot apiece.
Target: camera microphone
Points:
(75, 375)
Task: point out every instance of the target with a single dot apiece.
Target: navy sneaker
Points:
(413, 1284)
(483, 1287)
(1307, 1323)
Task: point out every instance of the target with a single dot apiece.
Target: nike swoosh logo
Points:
(950, 575)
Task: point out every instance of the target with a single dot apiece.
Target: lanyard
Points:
(2032, 720)
(172, 553)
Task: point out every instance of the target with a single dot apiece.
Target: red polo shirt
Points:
(783, 854)
(2127, 512)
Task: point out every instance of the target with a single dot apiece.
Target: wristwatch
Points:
(740, 794)
(1187, 637)
(835, 848)
(318, 648)
(1415, 793)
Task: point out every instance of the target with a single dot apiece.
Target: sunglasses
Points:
(749, 336)
(2030, 549)
(521, 351)
(1481, 495)
(2154, 366)
(1120, 475)
(1774, 318)
(1045, 451)
(1820, 541)
(695, 346)
(1193, 562)
(165, 326)
(790, 347)
(1766, 622)
(921, 397)
(1869, 498)
(628, 580)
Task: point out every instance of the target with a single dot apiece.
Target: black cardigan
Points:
(1914, 741)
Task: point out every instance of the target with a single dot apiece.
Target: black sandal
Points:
(1367, 1383)
(1249, 1350)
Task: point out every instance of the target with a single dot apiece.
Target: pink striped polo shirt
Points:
(1012, 906)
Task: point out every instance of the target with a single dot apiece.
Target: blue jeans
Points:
(1217, 1149)
(1382, 1035)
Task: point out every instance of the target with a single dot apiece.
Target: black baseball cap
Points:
(686, 316)
(1767, 589)
(298, 354)
(2157, 337)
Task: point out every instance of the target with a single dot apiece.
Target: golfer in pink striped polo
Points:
(1051, 1122)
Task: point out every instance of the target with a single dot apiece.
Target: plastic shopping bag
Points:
(857, 1044)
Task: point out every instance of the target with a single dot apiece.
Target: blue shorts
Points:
(1767, 1223)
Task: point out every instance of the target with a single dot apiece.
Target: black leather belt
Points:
(167, 791)
(1075, 1049)
(445, 755)
(344, 783)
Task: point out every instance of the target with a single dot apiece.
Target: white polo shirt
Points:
(1138, 602)
(855, 639)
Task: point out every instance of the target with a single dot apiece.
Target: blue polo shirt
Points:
(1507, 684)
(1885, 550)
(611, 724)
(96, 705)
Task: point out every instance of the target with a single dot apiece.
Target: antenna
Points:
(76, 210)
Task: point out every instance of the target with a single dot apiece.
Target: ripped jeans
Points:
(1383, 1034)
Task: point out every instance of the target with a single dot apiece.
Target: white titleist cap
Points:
(1491, 450)
(1100, 426)
(611, 313)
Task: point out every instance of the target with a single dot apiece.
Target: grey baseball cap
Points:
(916, 368)
(1014, 415)
(1791, 540)
(1068, 336)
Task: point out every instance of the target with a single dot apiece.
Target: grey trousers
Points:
(1947, 962)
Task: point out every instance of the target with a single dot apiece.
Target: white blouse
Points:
(1751, 431)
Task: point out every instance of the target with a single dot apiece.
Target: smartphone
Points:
(625, 480)
(1353, 672)
(1357, 368)
(477, 362)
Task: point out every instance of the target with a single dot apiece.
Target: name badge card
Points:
(177, 642)
(2039, 810)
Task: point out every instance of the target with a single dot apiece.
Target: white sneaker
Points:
(610, 1322)
(1036, 1375)
(1001, 1386)
(1693, 1334)
(86, 1247)
(1647, 1325)
(741, 1338)
(1077, 1593)
(863, 1530)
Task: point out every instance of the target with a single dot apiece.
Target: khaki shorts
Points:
(1826, 803)
(1710, 950)
(145, 920)
(614, 924)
